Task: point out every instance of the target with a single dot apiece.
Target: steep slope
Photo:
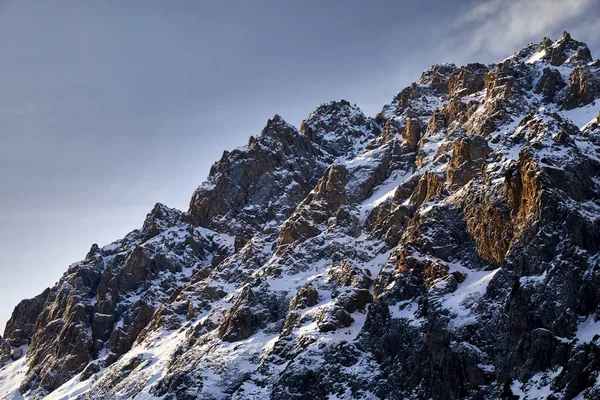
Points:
(447, 248)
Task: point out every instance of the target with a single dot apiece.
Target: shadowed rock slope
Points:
(447, 248)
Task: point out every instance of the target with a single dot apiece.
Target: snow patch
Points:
(471, 289)
(11, 377)
(587, 330)
(406, 310)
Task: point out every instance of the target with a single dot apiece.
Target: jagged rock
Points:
(468, 159)
(90, 370)
(489, 222)
(584, 87)
(411, 134)
(334, 318)
(338, 127)
(345, 221)
(437, 77)
(22, 324)
(160, 218)
(134, 321)
(307, 296)
(500, 83)
(140, 267)
(16, 353)
(250, 312)
(317, 207)
(429, 186)
(467, 80)
(566, 49)
(249, 176)
(549, 85)
(344, 274)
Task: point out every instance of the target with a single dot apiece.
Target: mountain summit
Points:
(446, 248)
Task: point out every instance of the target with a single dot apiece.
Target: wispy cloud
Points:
(499, 27)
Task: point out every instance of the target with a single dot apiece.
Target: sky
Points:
(109, 107)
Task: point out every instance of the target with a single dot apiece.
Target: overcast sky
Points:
(107, 107)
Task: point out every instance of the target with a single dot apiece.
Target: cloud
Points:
(500, 27)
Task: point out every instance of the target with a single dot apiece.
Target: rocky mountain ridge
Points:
(447, 248)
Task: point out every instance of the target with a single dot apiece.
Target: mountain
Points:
(446, 248)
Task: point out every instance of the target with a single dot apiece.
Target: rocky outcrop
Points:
(280, 165)
(429, 186)
(411, 134)
(21, 326)
(438, 77)
(308, 219)
(103, 302)
(251, 311)
(565, 50)
(468, 159)
(339, 128)
(549, 85)
(584, 87)
(467, 80)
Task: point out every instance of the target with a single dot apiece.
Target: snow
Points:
(583, 115)
(471, 289)
(532, 280)
(365, 159)
(538, 387)
(406, 310)
(587, 330)
(11, 376)
(376, 264)
(70, 389)
(383, 192)
(536, 57)
(156, 354)
(110, 248)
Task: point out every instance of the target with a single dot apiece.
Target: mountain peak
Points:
(564, 50)
(276, 127)
(446, 249)
(338, 126)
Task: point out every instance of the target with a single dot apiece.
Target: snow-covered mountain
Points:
(446, 248)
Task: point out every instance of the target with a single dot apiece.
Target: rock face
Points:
(446, 249)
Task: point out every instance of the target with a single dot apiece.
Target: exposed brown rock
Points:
(493, 114)
(429, 186)
(483, 264)
(411, 133)
(467, 80)
(499, 84)
(468, 159)
(317, 207)
(437, 77)
(489, 222)
(584, 87)
(524, 190)
(456, 111)
(307, 296)
(567, 49)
